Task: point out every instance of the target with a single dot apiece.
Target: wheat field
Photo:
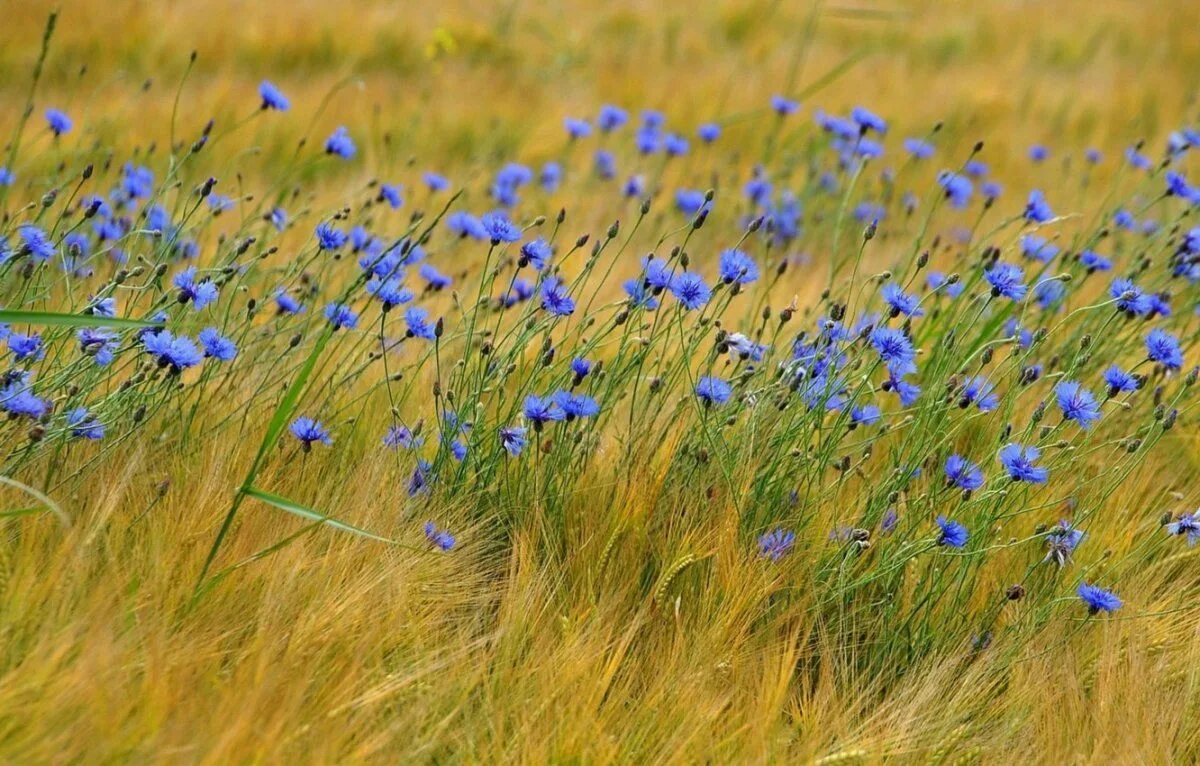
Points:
(724, 530)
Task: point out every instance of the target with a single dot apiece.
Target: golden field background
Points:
(340, 652)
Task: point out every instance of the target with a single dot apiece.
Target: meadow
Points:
(578, 382)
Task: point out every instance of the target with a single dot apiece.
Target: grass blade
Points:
(55, 319)
(49, 504)
(304, 512)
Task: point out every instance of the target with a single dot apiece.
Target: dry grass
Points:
(646, 638)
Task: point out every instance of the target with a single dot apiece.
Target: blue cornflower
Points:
(1019, 462)
(36, 243)
(774, 544)
(499, 228)
(1119, 381)
(1097, 599)
(577, 128)
(434, 278)
(340, 144)
(675, 145)
(709, 132)
(98, 343)
(784, 106)
(605, 164)
(936, 280)
(742, 347)
(1037, 248)
(1093, 155)
(691, 201)
(550, 176)
(216, 345)
(1187, 524)
(25, 346)
(341, 316)
(17, 399)
(1038, 153)
(1130, 298)
(58, 121)
(401, 436)
(416, 319)
(1007, 279)
(83, 425)
(958, 188)
(1037, 209)
(658, 274)
(1061, 542)
(199, 294)
(895, 349)
(868, 120)
(540, 411)
(391, 194)
(953, 534)
(439, 538)
(285, 303)
(581, 367)
(962, 473)
(635, 186)
(919, 149)
(308, 431)
(555, 298)
(1093, 261)
(901, 303)
(981, 392)
(690, 290)
(513, 439)
(737, 266)
(611, 118)
(272, 97)
(1050, 294)
(640, 294)
(458, 450)
(712, 390)
(576, 405)
(418, 483)
(7, 176)
(1077, 403)
(390, 292)
(535, 253)
(1163, 347)
(522, 290)
(435, 182)
(177, 353)
(329, 238)
(865, 415)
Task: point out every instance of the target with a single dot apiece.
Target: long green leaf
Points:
(291, 506)
(51, 318)
(50, 505)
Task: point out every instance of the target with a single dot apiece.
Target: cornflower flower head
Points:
(775, 544)
(581, 367)
(1020, 463)
(1163, 348)
(692, 201)
(895, 350)
(1038, 153)
(936, 280)
(1130, 298)
(610, 118)
(690, 290)
(1061, 542)
(217, 346)
(1119, 381)
(918, 148)
(513, 439)
(979, 391)
(951, 533)
(340, 144)
(285, 303)
(868, 120)
(177, 353)
(26, 347)
(575, 405)
(535, 253)
(957, 188)
(1039, 249)
(199, 293)
(434, 182)
(708, 132)
(737, 267)
(499, 227)
(1093, 261)
(864, 415)
(555, 298)
(401, 436)
(577, 128)
(438, 538)
(900, 302)
(640, 295)
(98, 343)
(963, 474)
(417, 324)
(18, 400)
(741, 347)
(1186, 524)
(36, 243)
(83, 425)
(1037, 210)
(712, 390)
(390, 292)
(341, 316)
(418, 483)
(539, 411)
(58, 121)
(1097, 599)
(272, 97)
(1077, 403)
(309, 431)
(1007, 280)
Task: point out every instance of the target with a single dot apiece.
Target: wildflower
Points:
(390, 193)
(1037, 210)
(691, 201)
(540, 411)
(675, 145)
(901, 303)
(1163, 347)
(737, 266)
(418, 483)
(712, 390)
(936, 280)
(272, 97)
(963, 474)
(1050, 294)
(416, 320)
(25, 347)
(920, 150)
(199, 294)
(499, 228)
(1097, 599)
(1120, 381)
(868, 120)
(575, 405)
(953, 534)
(535, 253)
(550, 176)
(741, 347)
(605, 164)
(435, 182)
(58, 121)
(958, 188)
(1077, 403)
(639, 294)
(390, 292)
(1019, 462)
(285, 303)
(1093, 261)
(555, 298)
(709, 132)
(611, 118)
(1006, 279)
(1187, 524)
(521, 291)
(581, 368)
(865, 415)
(1061, 543)
(439, 538)
(329, 238)
(17, 399)
(979, 391)
(309, 431)
(513, 439)
(577, 128)
(340, 144)
(7, 177)
(178, 353)
(635, 186)
(888, 523)
(36, 243)
(1037, 248)
(1093, 155)
(991, 190)
(690, 290)
(83, 425)
(341, 316)
(1130, 298)
(216, 345)
(98, 343)
(895, 349)
(401, 436)
(774, 544)
(1038, 153)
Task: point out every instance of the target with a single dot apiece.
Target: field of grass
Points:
(831, 401)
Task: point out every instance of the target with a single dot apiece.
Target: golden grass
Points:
(646, 639)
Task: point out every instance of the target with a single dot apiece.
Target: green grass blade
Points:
(46, 502)
(304, 512)
(55, 319)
